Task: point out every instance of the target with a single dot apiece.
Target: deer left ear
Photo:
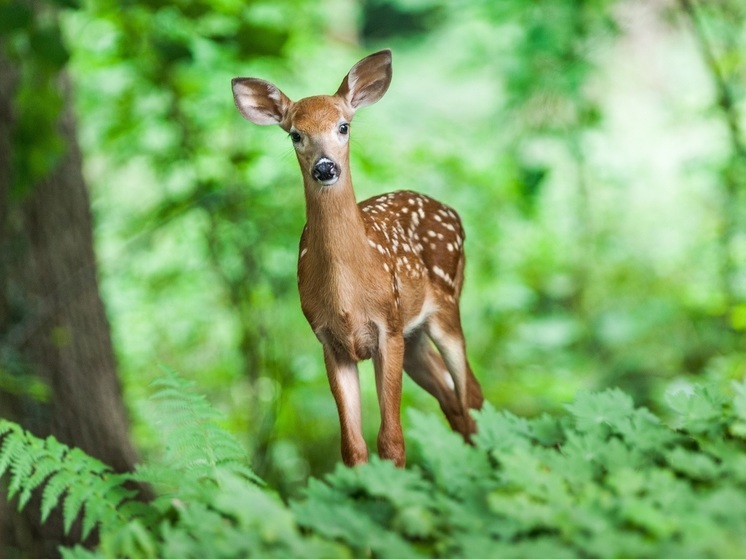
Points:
(367, 81)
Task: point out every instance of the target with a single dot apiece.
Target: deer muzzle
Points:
(325, 171)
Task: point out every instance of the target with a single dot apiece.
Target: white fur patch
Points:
(428, 307)
(449, 380)
(349, 384)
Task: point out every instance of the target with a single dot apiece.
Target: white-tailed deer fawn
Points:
(380, 279)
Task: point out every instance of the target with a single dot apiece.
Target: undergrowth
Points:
(604, 480)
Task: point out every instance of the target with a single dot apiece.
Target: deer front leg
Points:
(345, 384)
(388, 363)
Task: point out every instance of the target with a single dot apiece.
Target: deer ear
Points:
(367, 81)
(259, 101)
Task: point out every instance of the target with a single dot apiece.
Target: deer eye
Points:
(295, 137)
(344, 128)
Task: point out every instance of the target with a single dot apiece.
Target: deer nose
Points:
(325, 171)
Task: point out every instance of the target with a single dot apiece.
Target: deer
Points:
(380, 279)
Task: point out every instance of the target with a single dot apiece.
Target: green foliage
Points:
(199, 459)
(593, 149)
(69, 477)
(605, 480)
(193, 441)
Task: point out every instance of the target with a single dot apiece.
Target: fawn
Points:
(380, 279)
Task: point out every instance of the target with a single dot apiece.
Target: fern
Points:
(81, 483)
(195, 445)
(199, 456)
(605, 480)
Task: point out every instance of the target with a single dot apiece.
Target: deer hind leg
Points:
(444, 329)
(345, 385)
(427, 369)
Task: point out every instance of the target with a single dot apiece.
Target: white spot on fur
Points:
(438, 271)
(449, 380)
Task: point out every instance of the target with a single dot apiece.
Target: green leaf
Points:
(416, 522)
(74, 503)
(608, 409)
(644, 432)
(501, 431)
(695, 465)
(445, 454)
(739, 399)
(12, 445)
(53, 490)
(21, 468)
(699, 411)
(547, 430)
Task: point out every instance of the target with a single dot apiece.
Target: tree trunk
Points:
(52, 321)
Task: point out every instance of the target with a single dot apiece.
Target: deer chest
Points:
(345, 313)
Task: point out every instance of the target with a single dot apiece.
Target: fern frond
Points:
(132, 540)
(22, 466)
(69, 477)
(73, 503)
(12, 444)
(43, 469)
(195, 445)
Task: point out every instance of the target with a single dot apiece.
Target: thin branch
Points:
(732, 179)
(725, 98)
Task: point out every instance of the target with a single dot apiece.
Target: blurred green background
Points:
(594, 150)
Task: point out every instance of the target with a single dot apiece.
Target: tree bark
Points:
(53, 326)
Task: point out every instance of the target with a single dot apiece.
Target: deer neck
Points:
(336, 232)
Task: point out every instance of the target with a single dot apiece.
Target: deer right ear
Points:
(259, 101)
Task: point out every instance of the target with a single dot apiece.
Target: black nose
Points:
(325, 170)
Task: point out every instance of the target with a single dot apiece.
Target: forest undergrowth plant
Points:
(604, 480)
